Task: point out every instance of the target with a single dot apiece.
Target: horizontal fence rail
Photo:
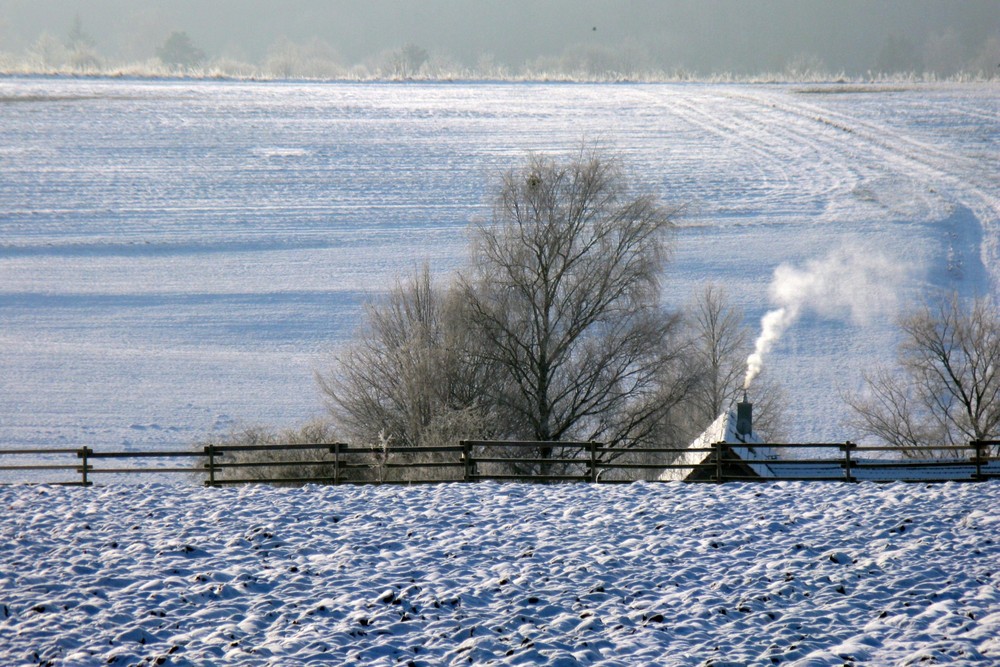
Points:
(521, 461)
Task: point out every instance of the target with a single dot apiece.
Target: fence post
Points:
(210, 453)
(84, 454)
(593, 462)
(718, 461)
(335, 450)
(848, 464)
(978, 448)
(466, 459)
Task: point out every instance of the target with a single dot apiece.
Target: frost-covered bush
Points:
(375, 461)
(313, 465)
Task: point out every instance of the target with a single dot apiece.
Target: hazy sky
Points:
(701, 35)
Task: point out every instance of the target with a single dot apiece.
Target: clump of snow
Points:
(667, 574)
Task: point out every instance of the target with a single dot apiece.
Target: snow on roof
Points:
(748, 447)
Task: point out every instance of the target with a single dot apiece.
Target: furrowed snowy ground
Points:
(179, 256)
(653, 574)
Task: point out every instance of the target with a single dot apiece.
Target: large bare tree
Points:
(563, 298)
(946, 389)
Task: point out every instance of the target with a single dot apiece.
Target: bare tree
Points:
(408, 376)
(314, 58)
(180, 52)
(563, 297)
(80, 47)
(947, 386)
(47, 53)
(78, 38)
(404, 62)
(719, 342)
(719, 346)
(555, 332)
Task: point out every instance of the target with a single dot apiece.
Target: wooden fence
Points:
(477, 460)
(850, 462)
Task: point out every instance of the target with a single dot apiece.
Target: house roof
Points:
(749, 448)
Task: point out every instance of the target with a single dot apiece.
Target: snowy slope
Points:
(651, 574)
(177, 256)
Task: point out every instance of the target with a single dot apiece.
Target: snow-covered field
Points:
(178, 256)
(644, 574)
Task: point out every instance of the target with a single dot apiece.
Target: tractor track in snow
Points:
(767, 151)
(814, 161)
(972, 186)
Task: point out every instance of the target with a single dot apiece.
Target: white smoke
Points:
(848, 284)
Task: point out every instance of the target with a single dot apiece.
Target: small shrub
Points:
(297, 466)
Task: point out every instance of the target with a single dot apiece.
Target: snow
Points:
(178, 256)
(666, 574)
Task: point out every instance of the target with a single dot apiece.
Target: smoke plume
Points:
(848, 284)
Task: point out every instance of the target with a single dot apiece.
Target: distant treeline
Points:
(943, 55)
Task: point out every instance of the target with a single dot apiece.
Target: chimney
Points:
(744, 417)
